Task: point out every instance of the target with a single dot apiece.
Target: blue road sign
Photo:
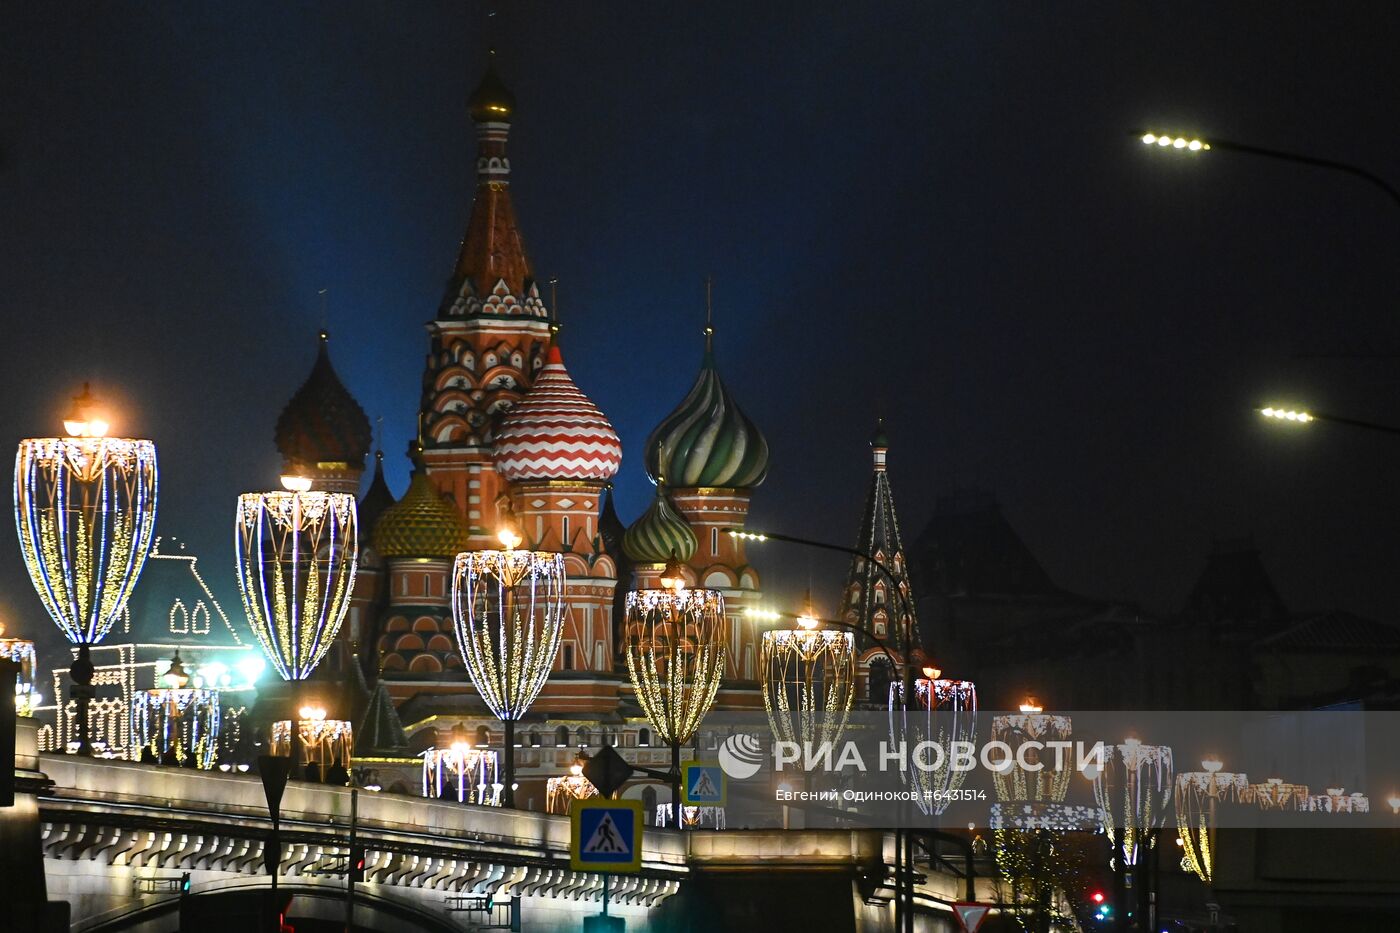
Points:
(606, 835)
(702, 784)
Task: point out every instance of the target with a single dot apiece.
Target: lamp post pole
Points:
(903, 844)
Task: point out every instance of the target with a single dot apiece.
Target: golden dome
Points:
(492, 101)
(421, 524)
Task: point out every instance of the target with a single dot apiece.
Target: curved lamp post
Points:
(674, 640)
(508, 609)
(85, 510)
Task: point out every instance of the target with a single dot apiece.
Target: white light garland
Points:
(946, 712)
(177, 722)
(675, 647)
(808, 683)
(1198, 794)
(296, 557)
(1133, 789)
(474, 772)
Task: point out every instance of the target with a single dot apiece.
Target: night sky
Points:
(926, 211)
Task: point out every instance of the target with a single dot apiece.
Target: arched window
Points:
(648, 804)
(880, 678)
(644, 739)
(582, 736)
(483, 736)
(561, 737)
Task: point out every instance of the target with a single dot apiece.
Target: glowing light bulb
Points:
(1212, 765)
(510, 538)
(1149, 138)
(1031, 705)
(295, 483)
(83, 420)
(932, 673)
(673, 577)
(806, 622)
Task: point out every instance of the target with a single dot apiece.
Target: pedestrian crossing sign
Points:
(702, 784)
(606, 835)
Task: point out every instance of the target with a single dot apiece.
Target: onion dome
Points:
(492, 101)
(377, 498)
(556, 432)
(323, 423)
(708, 440)
(421, 524)
(660, 534)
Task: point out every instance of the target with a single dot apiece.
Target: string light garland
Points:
(944, 711)
(85, 512)
(691, 817)
(508, 609)
(1337, 800)
(1198, 794)
(1278, 794)
(21, 652)
(1051, 782)
(473, 772)
(296, 559)
(808, 683)
(178, 725)
(326, 744)
(675, 648)
(559, 791)
(1133, 790)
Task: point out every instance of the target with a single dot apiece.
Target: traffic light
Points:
(357, 863)
(1097, 897)
(184, 883)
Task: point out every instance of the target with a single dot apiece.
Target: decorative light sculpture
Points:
(85, 509)
(326, 744)
(1198, 793)
(691, 817)
(944, 711)
(1133, 790)
(559, 791)
(177, 726)
(1278, 794)
(296, 556)
(1051, 782)
(474, 772)
(675, 645)
(21, 652)
(1337, 800)
(808, 682)
(508, 609)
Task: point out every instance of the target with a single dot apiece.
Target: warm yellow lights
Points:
(747, 535)
(1197, 795)
(1287, 414)
(674, 642)
(1175, 142)
(766, 615)
(931, 673)
(808, 683)
(1394, 801)
(295, 483)
(312, 713)
(509, 537)
(1211, 765)
(1031, 705)
(673, 577)
(84, 419)
(175, 676)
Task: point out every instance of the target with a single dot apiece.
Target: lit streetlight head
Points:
(510, 538)
(84, 419)
(806, 622)
(1031, 705)
(931, 673)
(673, 577)
(295, 483)
(1287, 414)
(175, 675)
(747, 535)
(1212, 765)
(767, 615)
(1168, 141)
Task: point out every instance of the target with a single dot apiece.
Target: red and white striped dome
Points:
(556, 432)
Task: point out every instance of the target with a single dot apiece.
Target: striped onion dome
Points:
(660, 533)
(556, 432)
(421, 524)
(707, 440)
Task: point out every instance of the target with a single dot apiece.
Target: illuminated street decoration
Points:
(508, 609)
(808, 682)
(1278, 794)
(1198, 794)
(1133, 790)
(471, 771)
(1055, 817)
(675, 644)
(21, 652)
(85, 511)
(296, 557)
(326, 744)
(1337, 800)
(691, 817)
(943, 712)
(559, 791)
(177, 724)
(1051, 782)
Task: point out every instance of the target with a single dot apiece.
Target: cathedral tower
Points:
(878, 605)
(323, 432)
(491, 332)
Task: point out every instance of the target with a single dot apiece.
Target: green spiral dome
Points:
(659, 534)
(708, 440)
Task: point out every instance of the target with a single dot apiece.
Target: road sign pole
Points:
(607, 878)
(676, 783)
(349, 863)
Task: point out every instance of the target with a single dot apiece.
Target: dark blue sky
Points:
(928, 211)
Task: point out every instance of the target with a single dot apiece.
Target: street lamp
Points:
(85, 510)
(21, 652)
(508, 609)
(1292, 416)
(1198, 794)
(1191, 144)
(473, 770)
(296, 555)
(808, 679)
(674, 642)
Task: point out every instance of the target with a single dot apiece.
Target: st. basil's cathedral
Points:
(507, 439)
